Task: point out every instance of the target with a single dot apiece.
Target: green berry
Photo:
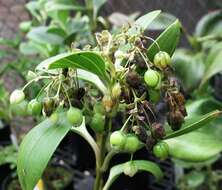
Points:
(98, 123)
(152, 78)
(161, 150)
(117, 140)
(162, 59)
(19, 109)
(74, 116)
(34, 107)
(17, 96)
(132, 143)
(25, 26)
(98, 108)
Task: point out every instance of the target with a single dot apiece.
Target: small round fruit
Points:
(19, 109)
(132, 143)
(17, 96)
(117, 140)
(98, 123)
(25, 26)
(34, 107)
(161, 150)
(162, 59)
(152, 78)
(74, 116)
(98, 108)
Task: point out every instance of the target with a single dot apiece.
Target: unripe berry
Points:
(74, 116)
(117, 140)
(132, 143)
(17, 96)
(98, 123)
(161, 150)
(34, 107)
(25, 26)
(152, 78)
(162, 60)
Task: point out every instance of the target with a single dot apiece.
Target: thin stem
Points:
(102, 142)
(106, 162)
(124, 125)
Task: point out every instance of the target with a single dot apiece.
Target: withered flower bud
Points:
(175, 120)
(158, 130)
(140, 132)
(133, 79)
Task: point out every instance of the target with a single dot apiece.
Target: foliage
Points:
(118, 63)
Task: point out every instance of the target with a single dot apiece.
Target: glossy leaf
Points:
(37, 148)
(213, 67)
(89, 61)
(138, 165)
(189, 67)
(162, 21)
(144, 21)
(94, 79)
(194, 147)
(207, 24)
(167, 40)
(202, 106)
(195, 123)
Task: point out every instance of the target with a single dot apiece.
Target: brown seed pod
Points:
(158, 130)
(48, 106)
(140, 132)
(175, 120)
(139, 61)
(126, 95)
(133, 79)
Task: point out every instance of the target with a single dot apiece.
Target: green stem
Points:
(102, 144)
(107, 160)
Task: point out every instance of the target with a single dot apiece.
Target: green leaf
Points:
(94, 79)
(189, 67)
(209, 23)
(97, 4)
(195, 178)
(27, 48)
(195, 123)
(213, 67)
(53, 6)
(133, 166)
(89, 61)
(202, 106)
(162, 21)
(40, 35)
(33, 8)
(144, 21)
(37, 148)
(167, 40)
(194, 147)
